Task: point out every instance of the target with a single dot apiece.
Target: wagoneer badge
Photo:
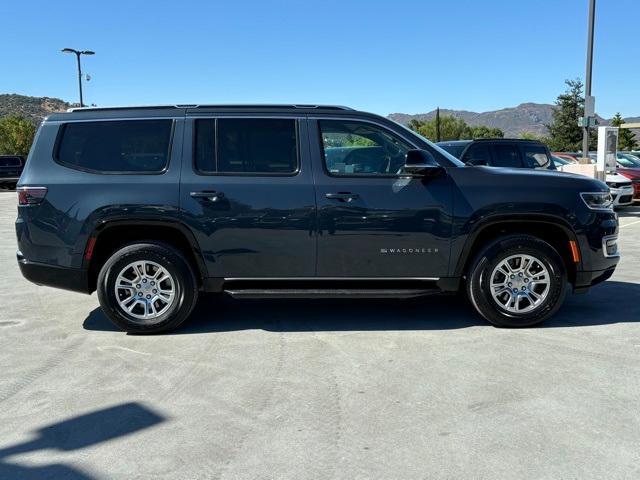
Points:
(386, 251)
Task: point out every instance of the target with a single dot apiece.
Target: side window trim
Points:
(194, 121)
(62, 125)
(390, 132)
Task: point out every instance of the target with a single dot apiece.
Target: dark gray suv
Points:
(150, 206)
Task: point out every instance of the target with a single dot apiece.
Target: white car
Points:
(620, 186)
(621, 189)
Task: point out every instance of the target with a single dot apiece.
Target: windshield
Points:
(560, 161)
(440, 150)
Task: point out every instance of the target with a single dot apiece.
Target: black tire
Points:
(185, 284)
(490, 256)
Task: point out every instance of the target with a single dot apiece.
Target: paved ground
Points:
(305, 390)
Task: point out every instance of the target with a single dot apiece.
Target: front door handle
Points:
(342, 196)
(209, 195)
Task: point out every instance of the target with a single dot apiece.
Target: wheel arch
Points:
(557, 232)
(110, 235)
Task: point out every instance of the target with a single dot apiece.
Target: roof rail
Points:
(195, 105)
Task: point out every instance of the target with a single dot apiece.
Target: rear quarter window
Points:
(127, 146)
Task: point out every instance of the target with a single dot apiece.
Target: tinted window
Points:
(506, 156)
(478, 154)
(354, 148)
(535, 156)
(118, 146)
(205, 145)
(256, 146)
(455, 149)
(10, 161)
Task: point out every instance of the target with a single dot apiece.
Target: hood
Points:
(540, 179)
(616, 178)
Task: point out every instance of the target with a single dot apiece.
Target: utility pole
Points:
(77, 54)
(438, 124)
(589, 101)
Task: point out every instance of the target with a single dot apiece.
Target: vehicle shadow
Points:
(221, 314)
(73, 434)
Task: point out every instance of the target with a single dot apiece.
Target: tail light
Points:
(31, 195)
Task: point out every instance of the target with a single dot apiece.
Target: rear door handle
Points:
(209, 195)
(342, 196)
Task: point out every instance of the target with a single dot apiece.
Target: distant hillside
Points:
(35, 108)
(526, 117)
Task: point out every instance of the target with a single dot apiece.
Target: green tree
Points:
(16, 135)
(451, 128)
(565, 133)
(532, 136)
(482, 131)
(626, 138)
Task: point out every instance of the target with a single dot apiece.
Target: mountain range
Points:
(513, 121)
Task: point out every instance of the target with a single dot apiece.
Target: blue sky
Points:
(381, 56)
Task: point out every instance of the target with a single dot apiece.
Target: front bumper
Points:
(587, 279)
(622, 196)
(74, 279)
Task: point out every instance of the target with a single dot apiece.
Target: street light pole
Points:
(79, 78)
(587, 86)
(77, 54)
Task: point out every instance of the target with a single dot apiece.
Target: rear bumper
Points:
(74, 279)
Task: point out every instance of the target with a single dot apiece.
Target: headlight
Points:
(597, 200)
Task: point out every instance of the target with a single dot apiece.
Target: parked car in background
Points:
(560, 161)
(501, 152)
(622, 189)
(629, 166)
(10, 170)
(568, 156)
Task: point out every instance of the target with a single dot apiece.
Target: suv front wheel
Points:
(147, 288)
(517, 281)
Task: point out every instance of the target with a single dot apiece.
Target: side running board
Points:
(330, 293)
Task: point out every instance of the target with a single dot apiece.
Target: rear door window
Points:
(506, 156)
(246, 146)
(123, 146)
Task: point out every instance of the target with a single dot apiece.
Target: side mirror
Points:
(421, 163)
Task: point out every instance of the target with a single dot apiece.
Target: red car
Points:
(629, 166)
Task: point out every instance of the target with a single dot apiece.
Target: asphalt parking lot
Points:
(322, 389)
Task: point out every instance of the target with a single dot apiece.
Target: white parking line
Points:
(631, 223)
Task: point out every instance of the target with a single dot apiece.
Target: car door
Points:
(247, 193)
(373, 221)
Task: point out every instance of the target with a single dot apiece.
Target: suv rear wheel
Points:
(517, 281)
(147, 288)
